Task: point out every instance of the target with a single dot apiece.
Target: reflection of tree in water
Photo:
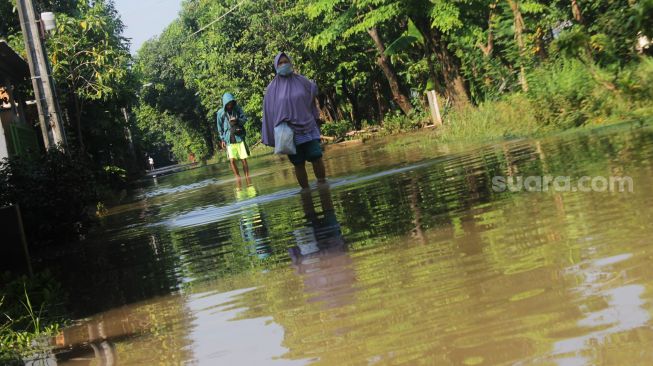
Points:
(101, 275)
(228, 246)
(487, 282)
(203, 251)
(155, 332)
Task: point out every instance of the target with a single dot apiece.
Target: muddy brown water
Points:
(408, 257)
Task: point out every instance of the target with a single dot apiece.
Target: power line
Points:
(220, 17)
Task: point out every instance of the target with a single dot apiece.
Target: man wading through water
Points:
(290, 98)
(231, 128)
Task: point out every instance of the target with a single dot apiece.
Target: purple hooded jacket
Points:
(289, 98)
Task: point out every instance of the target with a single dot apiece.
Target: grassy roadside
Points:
(31, 312)
(562, 96)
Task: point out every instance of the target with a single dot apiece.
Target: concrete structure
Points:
(17, 134)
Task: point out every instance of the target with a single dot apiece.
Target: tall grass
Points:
(508, 118)
(26, 325)
(566, 94)
(636, 83)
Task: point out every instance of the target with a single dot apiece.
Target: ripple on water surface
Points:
(408, 257)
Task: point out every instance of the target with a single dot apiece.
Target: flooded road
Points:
(408, 257)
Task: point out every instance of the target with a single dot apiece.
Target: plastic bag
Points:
(284, 139)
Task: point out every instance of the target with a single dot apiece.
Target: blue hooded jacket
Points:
(224, 128)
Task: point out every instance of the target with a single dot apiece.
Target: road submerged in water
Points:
(409, 256)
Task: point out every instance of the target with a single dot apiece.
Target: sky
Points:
(145, 19)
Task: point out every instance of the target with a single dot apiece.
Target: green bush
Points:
(570, 93)
(114, 176)
(30, 309)
(637, 80)
(337, 129)
(492, 120)
(396, 121)
(56, 193)
(563, 94)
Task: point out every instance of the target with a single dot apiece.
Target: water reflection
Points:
(408, 257)
(320, 255)
(253, 224)
(615, 310)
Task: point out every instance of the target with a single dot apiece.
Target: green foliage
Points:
(508, 118)
(563, 95)
(30, 311)
(569, 94)
(445, 16)
(637, 80)
(640, 17)
(170, 113)
(92, 70)
(411, 36)
(114, 176)
(460, 49)
(164, 128)
(89, 53)
(394, 122)
(337, 129)
(54, 192)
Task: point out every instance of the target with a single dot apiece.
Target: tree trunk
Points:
(454, 84)
(540, 43)
(78, 121)
(487, 50)
(575, 10)
(384, 63)
(434, 75)
(519, 30)
(331, 106)
(353, 100)
(324, 112)
(379, 100)
(451, 72)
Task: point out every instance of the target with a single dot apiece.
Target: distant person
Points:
(290, 97)
(151, 163)
(231, 128)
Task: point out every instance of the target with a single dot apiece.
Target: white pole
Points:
(434, 107)
(47, 104)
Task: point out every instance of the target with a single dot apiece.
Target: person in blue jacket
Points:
(231, 128)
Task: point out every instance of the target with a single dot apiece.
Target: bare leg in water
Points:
(300, 173)
(318, 169)
(245, 168)
(234, 168)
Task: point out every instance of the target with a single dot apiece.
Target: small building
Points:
(17, 133)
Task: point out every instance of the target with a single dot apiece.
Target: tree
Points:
(519, 26)
(90, 55)
(345, 19)
(169, 110)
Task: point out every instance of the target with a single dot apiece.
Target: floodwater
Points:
(408, 257)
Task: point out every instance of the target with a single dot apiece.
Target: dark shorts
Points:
(308, 151)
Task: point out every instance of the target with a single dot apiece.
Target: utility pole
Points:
(44, 92)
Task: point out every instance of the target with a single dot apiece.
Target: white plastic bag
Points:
(284, 140)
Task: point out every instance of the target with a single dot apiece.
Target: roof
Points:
(11, 64)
